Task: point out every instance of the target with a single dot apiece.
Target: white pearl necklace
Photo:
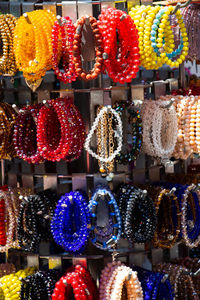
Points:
(117, 133)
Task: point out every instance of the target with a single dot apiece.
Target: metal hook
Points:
(179, 5)
(14, 106)
(45, 103)
(169, 104)
(27, 18)
(59, 19)
(171, 192)
(129, 276)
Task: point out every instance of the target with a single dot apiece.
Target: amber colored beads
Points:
(7, 120)
(167, 231)
(92, 74)
(32, 43)
(7, 60)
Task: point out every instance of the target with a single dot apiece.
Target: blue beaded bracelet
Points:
(155, 285)
(154, 30)
(113, 236)
(70, 222)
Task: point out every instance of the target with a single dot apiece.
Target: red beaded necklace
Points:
(121, 55)
(65, 30)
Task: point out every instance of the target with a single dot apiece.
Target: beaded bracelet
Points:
(65, 29)
(71, 209)
(102, 240)
(121, 59)
(40, 284)
(117, 133)
(180, 279)
(168, 229)
(154, 284)
(182, 49)
(11, 284)
(7, 60)
(28, 235)
(7, 119)
(135, 122)
(60, 131)
(186, 238)
(112, 280)
(10, 220)
(32, 45)
(78, 280)
(139, 216)
(77, 49)
(25, 132)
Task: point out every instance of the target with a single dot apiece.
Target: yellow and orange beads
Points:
(32, 43)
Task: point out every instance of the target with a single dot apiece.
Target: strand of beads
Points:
(65, 29)
(92, 74)
(134, 120)
(156, 38)
(159, 128)
(161, 22)
(32, 44)
(7, 118)
(60, 130)
(113, 228)
(121, 59)
(11, 284)
(140, 215)
(25, 133)
(168, 227)
(190, 243)
(114, 277)
(104, 148)
(71, 209)
(154, 285)
(7, 60)
(77, 282)
(41, 284)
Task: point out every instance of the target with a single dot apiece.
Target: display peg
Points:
(179, 5)
(27, 18)
(129, 276)
(84, 8)
(59, 19)
(165, 277)
(45, 103)
(171, 192)
(14, 106)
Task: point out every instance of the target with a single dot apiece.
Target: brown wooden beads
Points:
(81, 73)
